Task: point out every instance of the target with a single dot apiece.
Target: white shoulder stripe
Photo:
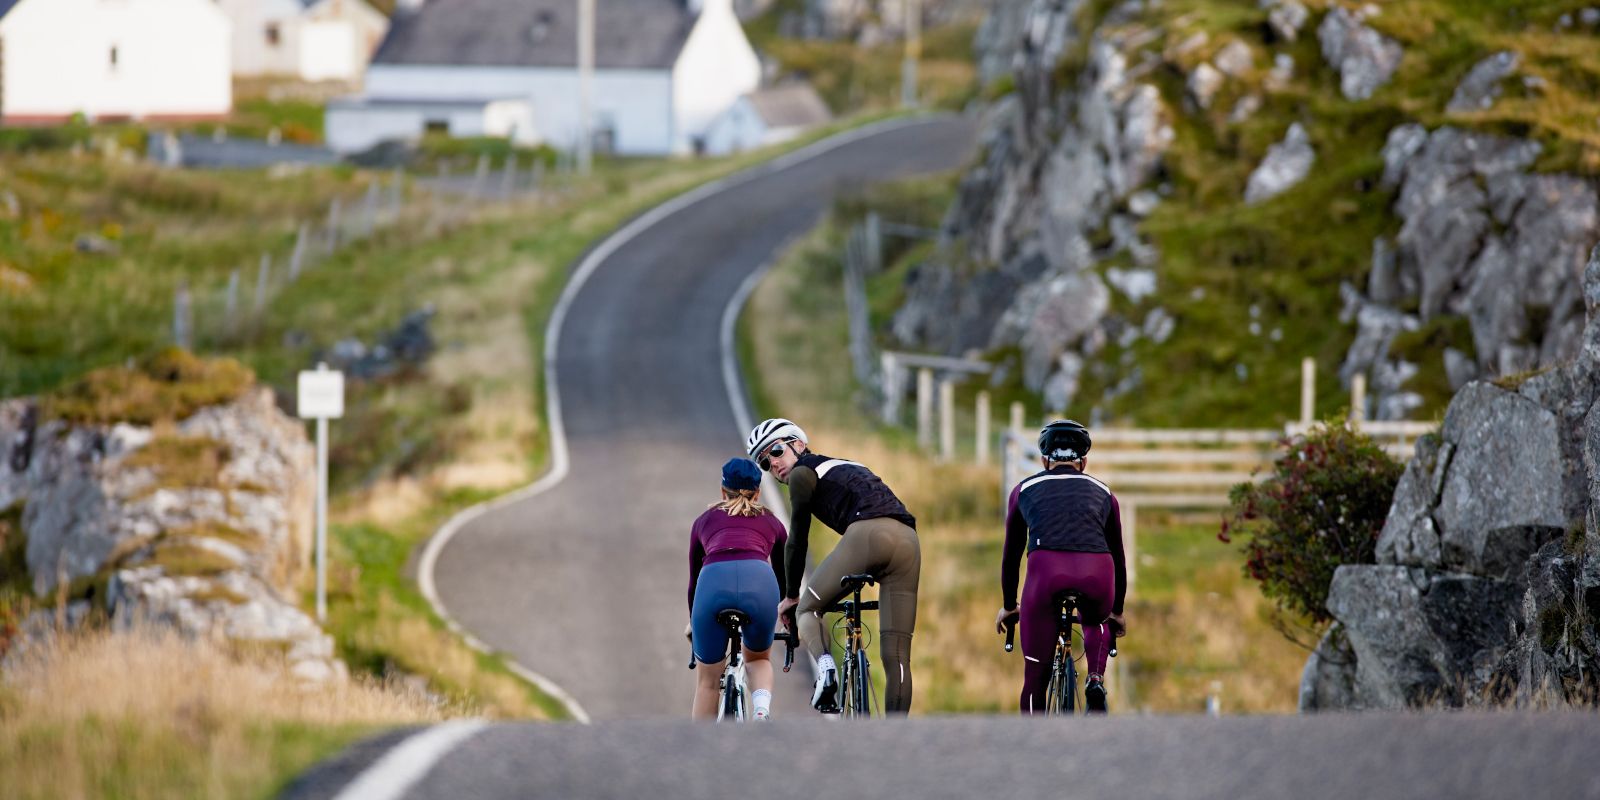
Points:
(822, 469)
(1042, 478)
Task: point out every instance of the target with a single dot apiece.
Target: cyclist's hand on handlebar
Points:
(1001, 617)
(786, 608)
(1118, 626)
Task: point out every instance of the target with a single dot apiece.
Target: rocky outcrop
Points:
(1365, 59)
(1061, 164)
(1482, 237)
(202, 524)
(1487, 571)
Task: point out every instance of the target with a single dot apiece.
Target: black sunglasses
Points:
(764, 461)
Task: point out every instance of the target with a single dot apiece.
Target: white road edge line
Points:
(559, 464)
(391, 776)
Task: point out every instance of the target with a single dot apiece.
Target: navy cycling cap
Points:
(741, 473)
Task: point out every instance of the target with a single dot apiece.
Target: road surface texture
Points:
(585, 583)
(1344, 756)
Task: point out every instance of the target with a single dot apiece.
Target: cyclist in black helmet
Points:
(1071, 527)
(879, 536)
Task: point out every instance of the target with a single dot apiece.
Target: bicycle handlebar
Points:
(791, 640)
(1011, 635)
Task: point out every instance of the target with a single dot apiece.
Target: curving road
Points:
(582, 579)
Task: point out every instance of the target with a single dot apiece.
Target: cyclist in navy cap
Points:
(735, 562)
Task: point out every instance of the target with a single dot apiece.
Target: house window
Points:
(274, 34)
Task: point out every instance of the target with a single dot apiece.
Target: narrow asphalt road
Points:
(585, 583)
(1337, 756)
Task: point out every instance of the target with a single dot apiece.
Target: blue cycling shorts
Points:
(745, 585)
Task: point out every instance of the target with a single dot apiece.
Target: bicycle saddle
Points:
(730, 618)
(851, 582)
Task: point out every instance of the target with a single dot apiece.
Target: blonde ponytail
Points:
(741, 503)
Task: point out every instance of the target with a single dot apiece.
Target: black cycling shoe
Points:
(826, 696)
(1094, 696)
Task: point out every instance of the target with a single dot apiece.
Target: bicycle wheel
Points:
(863, 688)
(1070, 685)
(731, 708)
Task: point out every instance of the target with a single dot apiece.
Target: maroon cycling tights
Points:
(1049, 573)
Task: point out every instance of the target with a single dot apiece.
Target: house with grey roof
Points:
(117, 60)
(767, 116)
(664, 70)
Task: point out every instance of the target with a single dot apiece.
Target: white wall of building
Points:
(332, 40)
(716, 66)
(738, 129)
(637, 103)
(353, 127)
(115, 58)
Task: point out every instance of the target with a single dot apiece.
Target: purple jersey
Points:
(719, 536)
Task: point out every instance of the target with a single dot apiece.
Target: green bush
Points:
(1323, 505)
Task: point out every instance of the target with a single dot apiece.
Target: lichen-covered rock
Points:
(200, 525)
(1204, 83)
(1481, 87)
(1365, 59)
(1287, 163)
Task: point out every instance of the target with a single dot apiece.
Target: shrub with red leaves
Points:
(1323, 505)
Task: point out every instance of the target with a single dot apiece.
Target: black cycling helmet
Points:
(1064, 440)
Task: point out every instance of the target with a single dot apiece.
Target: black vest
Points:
(1065, 510)
(848, 492)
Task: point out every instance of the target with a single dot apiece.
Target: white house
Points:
(313, 40)
(113, 59)
(664, 70)
(766, 116)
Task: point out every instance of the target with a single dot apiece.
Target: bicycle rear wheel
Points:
(863, 687)
(733, 705)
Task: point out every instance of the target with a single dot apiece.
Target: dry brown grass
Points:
(147, 714)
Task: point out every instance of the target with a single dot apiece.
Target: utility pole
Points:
(585, 84)
(908, 69)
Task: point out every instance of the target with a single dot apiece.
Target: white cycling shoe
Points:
(825, 697)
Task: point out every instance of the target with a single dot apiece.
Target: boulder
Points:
(1364, 58)
(1421, 638)
(1286, 18)
(1286, 164)
(1501, 497)
(1204, 83)
(1481, 87)
(1235, 59)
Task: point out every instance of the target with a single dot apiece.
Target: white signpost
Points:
(321, 397)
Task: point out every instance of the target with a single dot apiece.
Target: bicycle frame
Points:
(856, 672)
(733, 688)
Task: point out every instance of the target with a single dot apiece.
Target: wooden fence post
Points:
(480, 178)
(297, 258)
(1016, 417)
(925, 408)
(981, 440)
(947, 419)
(183, 317)
(1358, 398)
(333, 226)
(1308, 391)
(263, 274)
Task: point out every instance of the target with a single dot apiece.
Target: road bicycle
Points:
(733, 689)
(855, 674)
(1062, 694)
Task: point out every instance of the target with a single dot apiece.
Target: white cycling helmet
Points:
(773, 430)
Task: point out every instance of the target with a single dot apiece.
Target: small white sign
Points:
(321, 394)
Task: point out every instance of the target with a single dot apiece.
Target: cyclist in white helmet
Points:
(879, 537)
